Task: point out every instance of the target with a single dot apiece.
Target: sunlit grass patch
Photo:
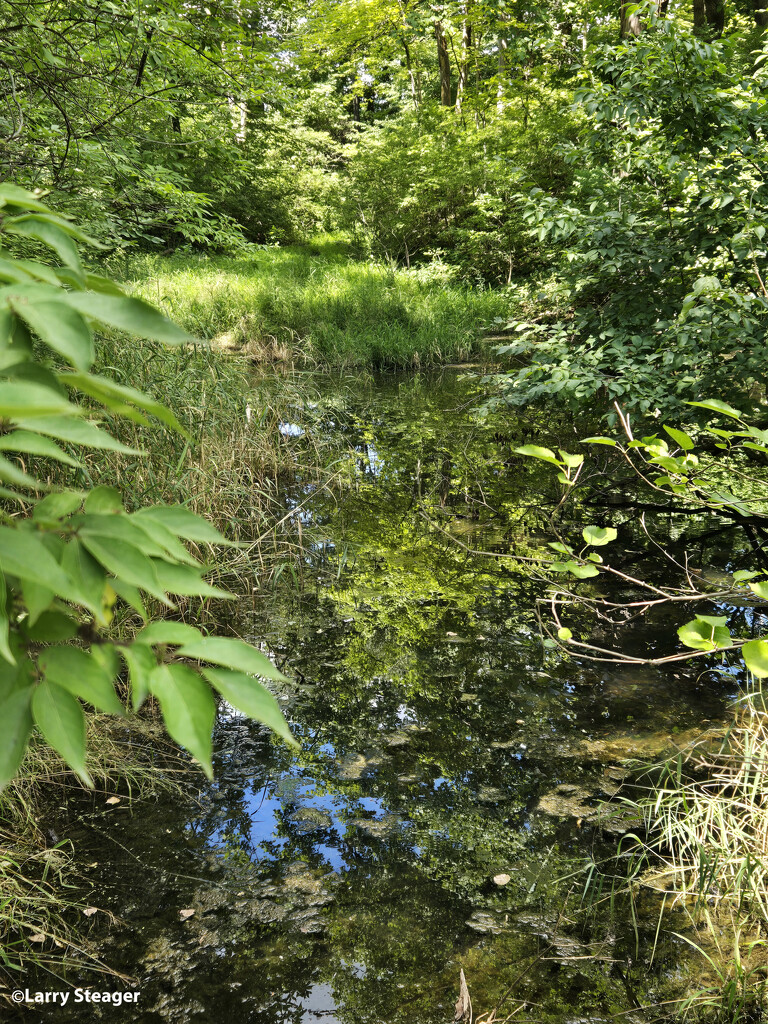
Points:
(315, 304)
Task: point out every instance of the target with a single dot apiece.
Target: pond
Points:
(446, 796)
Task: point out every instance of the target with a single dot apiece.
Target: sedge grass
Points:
(315, 305)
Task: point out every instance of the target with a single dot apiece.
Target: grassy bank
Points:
(315, 304)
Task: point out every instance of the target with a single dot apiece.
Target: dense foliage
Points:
(70, 557)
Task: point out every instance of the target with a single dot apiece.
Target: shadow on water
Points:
(448, 785)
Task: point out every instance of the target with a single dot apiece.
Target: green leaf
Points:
(599, 440)
(52, 627)
(597, 536)
(233, 654)
(680, 437)
(24, 399)
(23, 554)
(742, 575)
(61, 328)
(5, 624)
(186, 581)
(185, 524)
(37, 598)
(533, 451)
(11, 474)
(126, 562)
(141, 662)
(13, 196)
(103, 500)
(33, 444)
(15, 728)
(121, 398)
(563, 549)
(582, 572)
(755, 654)
(715, 405)
(52, 235)
(167, 632)
(130, 594)
(706, 633)
(188, 709)
(164, 538)
(571, 461)
(88, 578)
(129, 314)
(76, 432)
(760, 588)
(252, 698)
(59, 717)
(564, 633)
(81, 675)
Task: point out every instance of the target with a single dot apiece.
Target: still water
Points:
(446, 796)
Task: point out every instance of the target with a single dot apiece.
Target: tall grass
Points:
(706, 852)
(316, 305)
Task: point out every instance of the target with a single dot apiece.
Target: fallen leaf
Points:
(114, 800)
(451, 634)
(37, 937)
(463, 1003)
(185, 914)
(502, 879)
(90, 911)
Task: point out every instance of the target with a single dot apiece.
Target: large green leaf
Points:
(59, 717)
(61, 328)
(34, 444)
(23, 554)
(52, 235)
(597, 536)
(715, 405)
(706, 633)
(120, 397)
(186, 581)
(166, 632)
(141, 662)
(15, 728)
(160, 535)
(252, 698)
(755, 654)
(88, 577)
(76, 432)
(21, 400)
(534, 451)
(125, 561)
(81, 675)
(117, 527)
(188, 709)
(185, 524)
(233, 654)
(129, 314)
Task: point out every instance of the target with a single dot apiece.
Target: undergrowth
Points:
(42, 892)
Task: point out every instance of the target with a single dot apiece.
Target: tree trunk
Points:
(466, 46)
(143, 60)
(413, 77)
(709, 18)
(444, 63)
(501, 76)
(356, 109)
(760, 8)
(630, 22)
